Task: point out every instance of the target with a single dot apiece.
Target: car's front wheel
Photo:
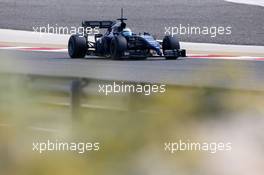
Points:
(77, 46)
(118, 46)
(170, 47)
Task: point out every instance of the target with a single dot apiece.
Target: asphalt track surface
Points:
(148, 15)
(247, 75)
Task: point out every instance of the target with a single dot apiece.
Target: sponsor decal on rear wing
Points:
(98, 24)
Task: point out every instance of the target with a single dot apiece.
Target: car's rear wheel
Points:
(77, 46)
(172, 44)
(118, 46)
(99, 48)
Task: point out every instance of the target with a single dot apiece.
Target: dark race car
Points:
(120, 42)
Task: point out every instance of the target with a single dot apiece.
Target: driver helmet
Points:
(127, 32)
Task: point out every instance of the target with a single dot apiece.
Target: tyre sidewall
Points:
(170, 43)
(118, 46)
(77, 46)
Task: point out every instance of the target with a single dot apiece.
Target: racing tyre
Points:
(77, 46)
(170, 43)
(118, 46)
(106, 45)
(99, 48)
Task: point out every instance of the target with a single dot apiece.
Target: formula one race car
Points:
(119, 42)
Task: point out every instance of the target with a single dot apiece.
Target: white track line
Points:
(13, 48)
(248, 2)
(19, 36)
(38, 49)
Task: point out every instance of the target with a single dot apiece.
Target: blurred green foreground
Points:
(131, 129)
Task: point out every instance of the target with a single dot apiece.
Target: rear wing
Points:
(99, 24)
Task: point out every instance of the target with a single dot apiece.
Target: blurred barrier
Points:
(81, 93)
(76, 93)
(70, 93)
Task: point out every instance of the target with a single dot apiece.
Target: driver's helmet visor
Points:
(127, 32)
